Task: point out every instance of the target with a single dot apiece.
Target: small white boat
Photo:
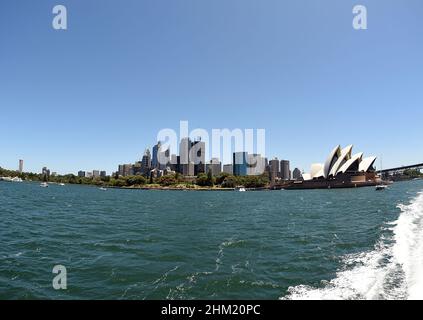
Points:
(44, 185)
(102, 189)
(61, 184)
(240, 189)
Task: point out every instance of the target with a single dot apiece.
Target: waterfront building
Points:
(120, 170)
(103, 174)
(125, 170)
(285, 172)
(137, 168)
(96, 174)
(274, 170)
(215, 166)
(89, 174)
(296, 174)
(228, 168)
(187, 169)
(81, 174)
(21, 165)
(128, 170)
(341, 169)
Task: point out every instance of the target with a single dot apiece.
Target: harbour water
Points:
(135, 244)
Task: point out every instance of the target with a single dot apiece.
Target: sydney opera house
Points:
(342, 169)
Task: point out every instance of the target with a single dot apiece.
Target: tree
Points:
(221, 177)
(202, 180)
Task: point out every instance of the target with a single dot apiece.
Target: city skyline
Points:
(94, 95)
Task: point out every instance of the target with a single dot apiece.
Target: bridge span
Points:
(401, 169)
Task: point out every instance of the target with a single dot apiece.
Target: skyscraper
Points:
(125, 170)
(240, 165)
(155, 159)
(285, 171)
(21, 164)
(197, 156)
(274, 169)
(297, 174)
(146, 162)
(186, 167)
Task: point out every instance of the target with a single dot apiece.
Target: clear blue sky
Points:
(97, 94)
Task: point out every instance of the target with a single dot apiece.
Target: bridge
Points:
(400, 170)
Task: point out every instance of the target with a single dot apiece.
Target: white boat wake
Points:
(393, 270)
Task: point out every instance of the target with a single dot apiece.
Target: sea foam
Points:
(392, 270)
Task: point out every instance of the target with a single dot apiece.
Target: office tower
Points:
(154, 159)
(191, 157)
(197, 156)
(240, 166)
(81, 174)
(228, 168)
(215, 166)
(146, 162)
(21, 164)
(96, 174)
(285, 171)
(274, 169)
(174, 162)
(125, 170)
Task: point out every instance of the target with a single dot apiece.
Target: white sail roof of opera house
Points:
(345, 156)
(366, 164)
(316, 170)
(340, 161)
(355, 158)
(307, 176)
(330, 161)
